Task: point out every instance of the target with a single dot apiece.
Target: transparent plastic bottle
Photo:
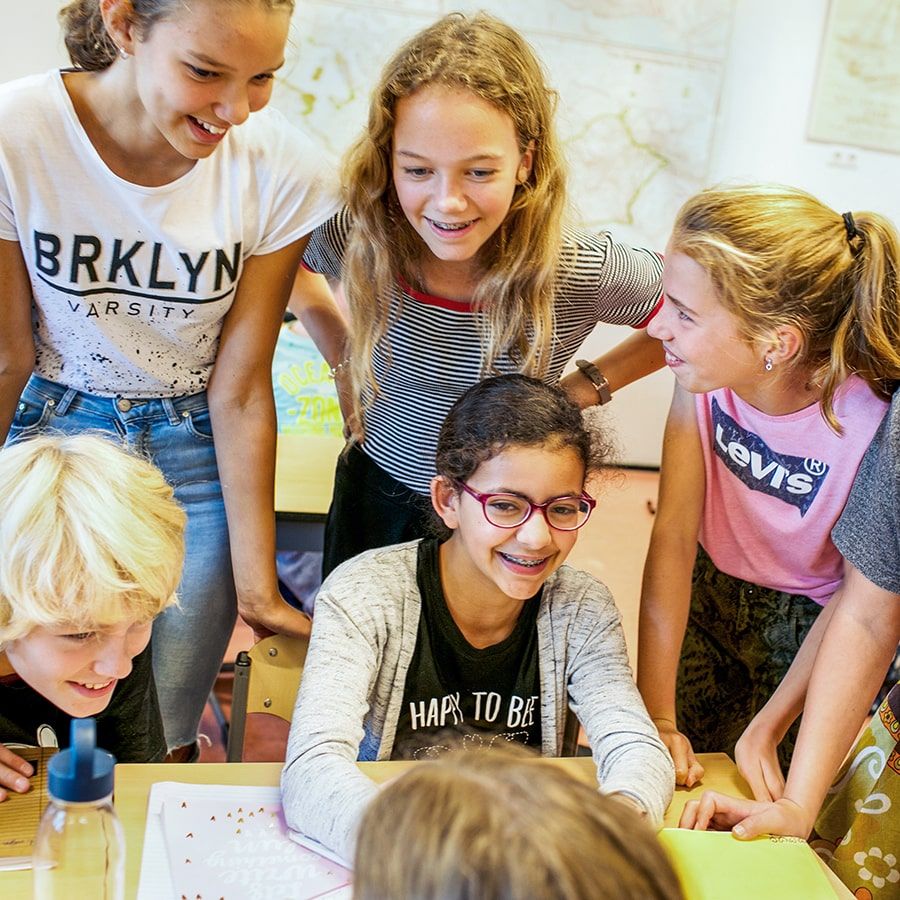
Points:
(79, 849)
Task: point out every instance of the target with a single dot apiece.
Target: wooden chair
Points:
(266, 680)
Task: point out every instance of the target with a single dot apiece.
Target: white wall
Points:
(30, 38)
(761, 136)
(766, 107)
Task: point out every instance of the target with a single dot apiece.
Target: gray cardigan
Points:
(364, 634)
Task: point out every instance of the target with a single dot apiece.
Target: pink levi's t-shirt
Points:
(775, 486)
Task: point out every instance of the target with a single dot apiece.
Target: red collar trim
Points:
(431, 300)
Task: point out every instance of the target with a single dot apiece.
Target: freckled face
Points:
(513, 562)
(456, 162)
(704, 346)
(77, 672)
(205, 69)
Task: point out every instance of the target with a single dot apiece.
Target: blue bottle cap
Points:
(82, 773)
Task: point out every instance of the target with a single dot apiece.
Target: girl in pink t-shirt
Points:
(779, 320)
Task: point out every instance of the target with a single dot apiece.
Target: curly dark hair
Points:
(512, 410)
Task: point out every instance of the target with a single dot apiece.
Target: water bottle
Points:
(79, 849)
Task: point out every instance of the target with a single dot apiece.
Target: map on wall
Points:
(639, 84)
(857, 94)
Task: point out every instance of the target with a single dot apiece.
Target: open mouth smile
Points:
(206, 131)
(524, 562)
(450, 228)
(93, 689)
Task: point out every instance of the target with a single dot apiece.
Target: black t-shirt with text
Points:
(456, 693)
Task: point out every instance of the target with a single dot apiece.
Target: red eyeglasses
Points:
(513, 510)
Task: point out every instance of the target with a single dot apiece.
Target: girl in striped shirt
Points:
(456, 265)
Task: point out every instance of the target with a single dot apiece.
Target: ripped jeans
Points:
(175, 434)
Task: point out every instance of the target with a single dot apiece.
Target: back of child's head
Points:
(778, 256)
(485, 56)
(90, 536)
(499, 825)
(512, 411)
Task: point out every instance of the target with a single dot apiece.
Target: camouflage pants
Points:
(740, 641)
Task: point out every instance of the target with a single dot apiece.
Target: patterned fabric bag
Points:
(858, 828)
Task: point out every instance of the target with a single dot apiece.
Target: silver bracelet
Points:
(334, 371)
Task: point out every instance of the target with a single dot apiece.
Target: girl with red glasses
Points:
(478, 637)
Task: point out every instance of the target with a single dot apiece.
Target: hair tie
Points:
(850, 226)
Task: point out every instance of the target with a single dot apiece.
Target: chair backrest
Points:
(266, 680)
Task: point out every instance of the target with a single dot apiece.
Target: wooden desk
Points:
(304, 478)
(133, 787)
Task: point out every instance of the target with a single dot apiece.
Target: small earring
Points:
(123, 53)
(768, 365)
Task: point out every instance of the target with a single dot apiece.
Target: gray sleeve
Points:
(323, 792)
(630, 757)
(868, 531)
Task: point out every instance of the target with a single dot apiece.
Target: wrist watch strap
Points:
(597, 379)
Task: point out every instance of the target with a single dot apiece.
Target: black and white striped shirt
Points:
(432, 351)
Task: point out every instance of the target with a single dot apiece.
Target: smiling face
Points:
(456, 162)
(77, 671)
(704, 346)
(204, 70)
(500, 564)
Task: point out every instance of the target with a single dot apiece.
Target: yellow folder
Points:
(713, 865)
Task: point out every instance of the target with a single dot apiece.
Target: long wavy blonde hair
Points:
(778, 256)
(514, 297)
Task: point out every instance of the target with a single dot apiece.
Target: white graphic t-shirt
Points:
(131, 283)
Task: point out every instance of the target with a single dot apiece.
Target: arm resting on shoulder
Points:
(630, 360)
(16, 336)
(666, 588)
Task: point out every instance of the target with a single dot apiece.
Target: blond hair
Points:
(778, 256)
(88, 42)
(514, 297)
(498, 824)
(90, 536)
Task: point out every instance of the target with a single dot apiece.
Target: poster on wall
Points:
(856, 100)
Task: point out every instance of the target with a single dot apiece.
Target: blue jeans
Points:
(175, 434)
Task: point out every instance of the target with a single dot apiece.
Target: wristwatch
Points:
(597, 379)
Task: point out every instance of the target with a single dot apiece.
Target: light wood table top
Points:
(133, 784)
(304, 473)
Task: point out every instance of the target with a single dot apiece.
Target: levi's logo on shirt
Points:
(794, 479)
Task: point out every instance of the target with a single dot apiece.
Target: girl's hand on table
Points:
(756, 755)
(746, 819)
(14, 773)
(688, 770)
